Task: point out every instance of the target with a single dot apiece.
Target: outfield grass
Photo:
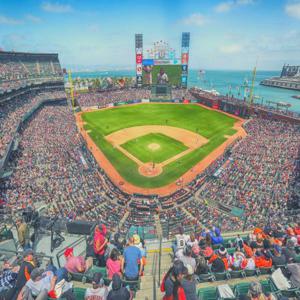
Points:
(140, 147)
(210, 124)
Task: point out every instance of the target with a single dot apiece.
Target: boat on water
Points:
(296, 97)
(201, 72)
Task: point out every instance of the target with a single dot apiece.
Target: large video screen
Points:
(162, 74)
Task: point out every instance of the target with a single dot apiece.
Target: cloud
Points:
(9, 21)
(196, 19)
(231, 49)
(56, 7)
(224, 7)
(33, 18)
(229, 5)
(293, 10)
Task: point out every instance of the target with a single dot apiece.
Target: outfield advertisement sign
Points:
(145, 101)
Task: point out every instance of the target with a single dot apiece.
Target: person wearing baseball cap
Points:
(99, 290)
(26, 268)
(76, 264)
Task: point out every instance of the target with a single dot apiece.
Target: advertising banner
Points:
(139, 58)
(148, 62)
(184, 58)
(159, 62)
(139, 69)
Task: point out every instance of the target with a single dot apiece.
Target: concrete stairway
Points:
(150, 278)
(124, 219)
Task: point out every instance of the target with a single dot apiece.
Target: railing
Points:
(20, 253)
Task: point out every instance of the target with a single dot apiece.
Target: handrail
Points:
(154, 265)
(159, 259)
(16, 252)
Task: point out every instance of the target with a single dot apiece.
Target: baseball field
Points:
(152, 145)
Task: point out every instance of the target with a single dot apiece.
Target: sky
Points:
(229, 34)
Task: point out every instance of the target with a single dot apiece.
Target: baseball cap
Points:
(37, 272)
(98, 278)
(28, 252)
(136, 239)
(222, 251)
(68, 252)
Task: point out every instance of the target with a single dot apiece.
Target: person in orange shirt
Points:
(262, 261)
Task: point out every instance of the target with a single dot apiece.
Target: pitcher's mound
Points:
(150, 169)
(153, 146)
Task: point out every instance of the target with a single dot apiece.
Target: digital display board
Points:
(162, 74)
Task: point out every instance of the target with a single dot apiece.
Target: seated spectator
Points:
(132, 257)
(255, 292)
(42, 283)
(216, 263)
(189, 284)
(289, 251)
(98, 291)
(8, 277)
(278, 258)
(227, 259)
(100, 242)
(262, 260)
(216, 237)
(202, 267)
(118, 292)
(187, 258)
(294, 270)
(113, 264)
(39, 283)
(26, 268)
(76, 264)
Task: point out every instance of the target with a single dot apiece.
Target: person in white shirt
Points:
(162, 77)
(99, 291)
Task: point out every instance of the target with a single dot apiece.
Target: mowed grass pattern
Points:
(168, 147)
(208, 123)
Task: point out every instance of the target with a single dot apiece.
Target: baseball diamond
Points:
(152, 145)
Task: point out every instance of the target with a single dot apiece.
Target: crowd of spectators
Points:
(112, 96)
(13, 110)
(113, 266)
(204, 255)
(258, 175)
(17, 70)
(53, 166)
(105, 97)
